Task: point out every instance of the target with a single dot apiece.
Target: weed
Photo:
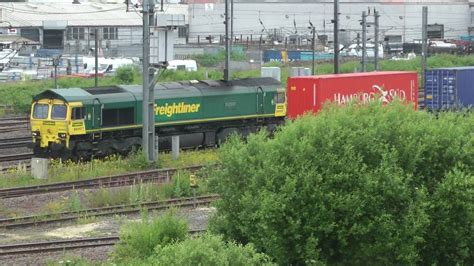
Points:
(139, 239)
(75, 202)
(138, 160)
(85, 219)
(106, 197)
(72, 260)
(62, 171)
(3, 209)
(55, 206)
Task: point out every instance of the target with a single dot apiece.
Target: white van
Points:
(106, 65)
(187, 65)
(353, 50)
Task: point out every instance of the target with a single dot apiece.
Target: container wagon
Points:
(308, 94)
(449, 88)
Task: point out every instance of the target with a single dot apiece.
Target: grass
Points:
(72, 260)
(113, 165)
(179, 187)
(103, 197)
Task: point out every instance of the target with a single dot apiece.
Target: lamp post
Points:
(313, 30)
(55, 64)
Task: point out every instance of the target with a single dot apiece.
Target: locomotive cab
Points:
(280, 102)
(53, 121)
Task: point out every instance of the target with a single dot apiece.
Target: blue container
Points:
(294, 56)
(449, 88)
(272, 56)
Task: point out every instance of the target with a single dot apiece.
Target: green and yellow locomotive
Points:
(79, 123)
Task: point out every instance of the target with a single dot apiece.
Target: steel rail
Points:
(161, 175)
(17, 144)
(60, 245)
(14, 118)
(16, 157)
(14, 123)
(26, 221)
(19, 139)
(11, 128)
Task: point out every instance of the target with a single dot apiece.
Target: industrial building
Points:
(400, 20)
(69, 27)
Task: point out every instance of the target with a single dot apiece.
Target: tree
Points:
(450, 238)
(351, 185)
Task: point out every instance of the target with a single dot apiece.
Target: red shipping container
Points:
(309, 93)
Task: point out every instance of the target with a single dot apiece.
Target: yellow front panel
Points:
(280, 105)
(49, 129)
(280, 109)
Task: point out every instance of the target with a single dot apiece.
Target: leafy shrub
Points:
(206, 250)
(127, 74)
(213, 59)
(452, 215)
(349, 186)
(138, 239)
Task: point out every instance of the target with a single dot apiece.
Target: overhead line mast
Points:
(148, 104)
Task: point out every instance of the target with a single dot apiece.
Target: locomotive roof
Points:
(68, 95)
(126, 93)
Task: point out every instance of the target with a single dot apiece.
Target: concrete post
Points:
(175, 147)
(39, 168)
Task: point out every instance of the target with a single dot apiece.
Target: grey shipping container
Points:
(449, 88)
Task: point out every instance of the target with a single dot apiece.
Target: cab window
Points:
(59, 111)
(40, 111)
(280, 97)
(77, 113)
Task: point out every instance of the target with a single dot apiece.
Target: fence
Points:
(260, 41)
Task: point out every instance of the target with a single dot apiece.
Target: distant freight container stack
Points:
(449, 88)
(308, 94)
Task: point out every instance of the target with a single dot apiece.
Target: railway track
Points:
(27, 221)
(157, 176)
(14, 142)
(16, 157)
(12, 128)
(21, 118)
(61, 245)
(13, 123)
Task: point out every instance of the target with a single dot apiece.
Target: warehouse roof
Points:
(84, 14)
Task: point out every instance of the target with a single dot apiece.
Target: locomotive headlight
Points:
(35, 133)
(62, 135)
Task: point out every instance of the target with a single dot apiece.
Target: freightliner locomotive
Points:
(83, 122)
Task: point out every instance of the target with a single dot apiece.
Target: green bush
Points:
(138, 239)
(206, 250)
(451, 234)
(213, 59)
(351, 185)
(128, 74)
